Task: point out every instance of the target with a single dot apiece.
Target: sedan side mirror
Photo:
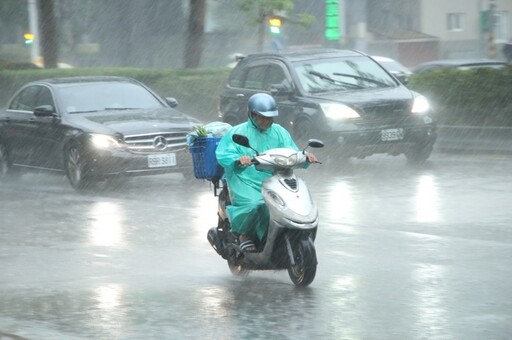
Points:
(171, 101)
(44, 111)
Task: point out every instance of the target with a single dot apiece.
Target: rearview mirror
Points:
(44, 111)
(279, 90)
(315, 143)
(241, 140)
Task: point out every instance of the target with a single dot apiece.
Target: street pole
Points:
(480, 29)
(34, 29)
(491, 50)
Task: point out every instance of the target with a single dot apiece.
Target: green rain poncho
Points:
(248, 213)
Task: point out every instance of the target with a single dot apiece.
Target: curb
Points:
(474, 139)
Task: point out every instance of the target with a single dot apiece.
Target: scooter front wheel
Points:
(303, 271)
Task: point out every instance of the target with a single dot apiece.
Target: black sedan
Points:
(93, 128)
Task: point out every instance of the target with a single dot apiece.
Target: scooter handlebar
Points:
(253, 162)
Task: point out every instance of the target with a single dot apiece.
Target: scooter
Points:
(289, 243)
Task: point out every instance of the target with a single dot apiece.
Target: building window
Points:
(501, 27)
(455, 21)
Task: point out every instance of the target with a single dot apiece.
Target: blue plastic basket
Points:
(204, 159)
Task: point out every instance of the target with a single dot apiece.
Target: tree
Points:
(195, 33)
(261, 10)
(48, 31)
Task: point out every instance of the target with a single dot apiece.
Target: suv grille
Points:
(157, 142)
(384, 114)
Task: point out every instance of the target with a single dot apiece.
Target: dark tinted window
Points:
(26, 100)
(276, 76)
(44, 97)
(236, 78)
(255, 78)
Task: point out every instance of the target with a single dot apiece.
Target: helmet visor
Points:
(273, 113)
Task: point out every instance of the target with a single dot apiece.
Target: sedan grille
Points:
(157, 142)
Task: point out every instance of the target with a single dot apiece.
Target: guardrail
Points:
(474, 139)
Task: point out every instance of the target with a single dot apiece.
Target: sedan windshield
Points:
(341, 75)
(92, 97)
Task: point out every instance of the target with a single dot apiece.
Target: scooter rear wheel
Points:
(303, 272)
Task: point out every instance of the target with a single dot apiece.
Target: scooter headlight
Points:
(284, 161)
(276, 198)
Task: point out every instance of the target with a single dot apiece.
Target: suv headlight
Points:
(420, 105)
(103, 141)
(337, 111)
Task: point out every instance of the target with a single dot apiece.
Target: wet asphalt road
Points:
(404, 253)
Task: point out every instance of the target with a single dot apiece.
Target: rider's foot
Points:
(247, 245)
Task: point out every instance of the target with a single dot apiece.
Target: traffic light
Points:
(275, 25)
(332, 20)
(29, 38)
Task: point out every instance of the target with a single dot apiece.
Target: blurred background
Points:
(209, 33)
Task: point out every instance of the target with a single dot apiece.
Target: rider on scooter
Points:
(248, 213)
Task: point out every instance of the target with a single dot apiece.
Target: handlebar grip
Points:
(253, 162)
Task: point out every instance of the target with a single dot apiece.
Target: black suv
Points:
(343, 97)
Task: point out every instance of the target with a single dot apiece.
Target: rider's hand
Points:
(311, 158)
(245, 160)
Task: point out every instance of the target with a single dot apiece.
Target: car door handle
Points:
(240, 95)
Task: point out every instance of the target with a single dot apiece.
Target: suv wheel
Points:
(419, 153)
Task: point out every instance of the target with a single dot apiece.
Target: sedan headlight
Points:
(284, 161)
(338, 111)
(104, 141)
(420, 106)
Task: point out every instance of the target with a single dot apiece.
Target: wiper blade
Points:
(85, 111)
(334, 81)
(362, 78)
(121, 108)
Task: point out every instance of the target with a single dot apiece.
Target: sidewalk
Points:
(474, 139)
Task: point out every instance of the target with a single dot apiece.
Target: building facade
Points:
(415, 31)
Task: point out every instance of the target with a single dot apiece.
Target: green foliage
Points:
(259, 10)
(201, 131)
(477, 97)
(17, 65)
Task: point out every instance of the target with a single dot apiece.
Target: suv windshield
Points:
(342, 74)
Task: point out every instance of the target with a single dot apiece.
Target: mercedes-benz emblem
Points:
(159, 142)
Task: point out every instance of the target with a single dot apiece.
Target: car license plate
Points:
(161, 160)
(392, 134)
